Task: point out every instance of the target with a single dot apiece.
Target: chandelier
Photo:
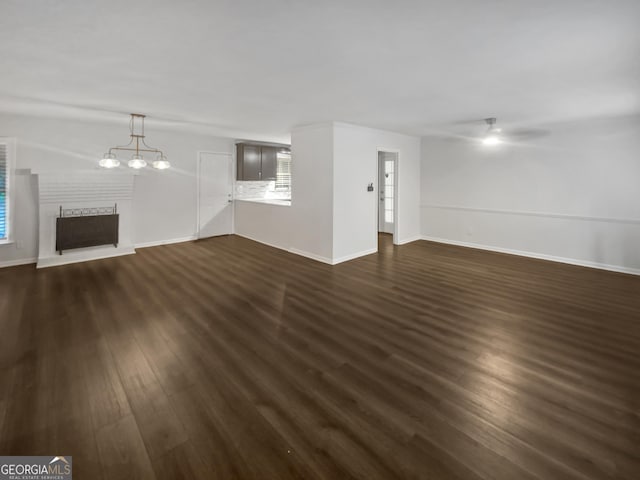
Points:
(137, 145)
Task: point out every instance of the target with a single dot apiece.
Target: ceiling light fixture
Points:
(137, 145)
(109, 161)
(492, 137)
(137, 162)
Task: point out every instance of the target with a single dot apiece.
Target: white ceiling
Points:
(257, 68)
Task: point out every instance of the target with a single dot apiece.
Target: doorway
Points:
(387, 192)
(215, 184)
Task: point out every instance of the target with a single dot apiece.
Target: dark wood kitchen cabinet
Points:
(256, 162)
(269, 163)
(249, 158)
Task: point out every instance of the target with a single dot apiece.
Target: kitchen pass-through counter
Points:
(269, 201)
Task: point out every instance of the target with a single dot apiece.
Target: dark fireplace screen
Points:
(86, 227)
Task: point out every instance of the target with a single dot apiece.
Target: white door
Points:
(215, 207)
(386, 182)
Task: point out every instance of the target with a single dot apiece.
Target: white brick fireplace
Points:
(76, 190)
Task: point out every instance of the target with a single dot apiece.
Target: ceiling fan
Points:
(492, 137)
(495, 136)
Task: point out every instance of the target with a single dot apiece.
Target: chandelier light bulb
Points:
(109, 160)
(491, 140)
(161, 163)
(137, 162)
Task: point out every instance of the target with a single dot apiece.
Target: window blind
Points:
(283, 172)
(4, 170)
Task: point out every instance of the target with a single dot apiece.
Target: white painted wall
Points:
(164, 202)
(265, 223)
(572, 196)
(354, 208)
(312, 191)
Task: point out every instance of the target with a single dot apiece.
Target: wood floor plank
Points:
(122, 451)
(227, 359)
(213, 446)
(183, 463)
(107, 399)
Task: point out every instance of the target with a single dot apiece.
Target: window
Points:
(388, 190)
(4, 192)
(283, 172)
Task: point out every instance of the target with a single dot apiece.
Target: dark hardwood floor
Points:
(228, 359)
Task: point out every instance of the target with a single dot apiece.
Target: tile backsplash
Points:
(259, 190)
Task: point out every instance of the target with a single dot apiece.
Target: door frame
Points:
(395, 192)
(233, 175)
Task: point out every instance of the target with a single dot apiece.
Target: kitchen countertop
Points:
(281, 202)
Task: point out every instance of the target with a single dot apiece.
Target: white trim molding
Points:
(409, 240)
(353, 256)
(568, 216)
(253, 239)
(157, 243)
(539, 256)
(18, 261)
(71, 257)
(294, 251)
(312, 256)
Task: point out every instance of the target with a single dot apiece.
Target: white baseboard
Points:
(539, 256)
(77, 257)
(68, 258)
(295, 251)
(409, 240)
(249, 237)
(15, 263)
(166, 242)
(346, 258)
(312, 256)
